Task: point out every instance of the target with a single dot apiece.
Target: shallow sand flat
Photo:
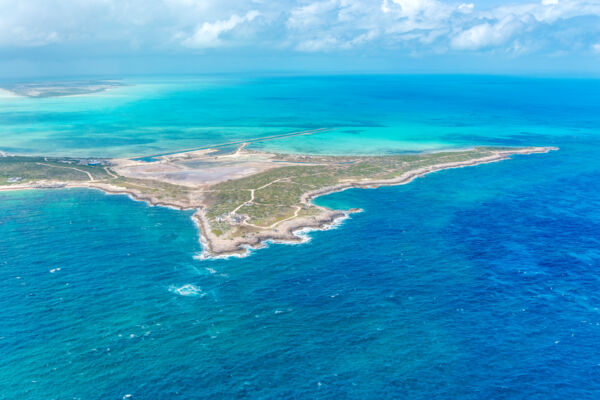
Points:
(199, 168)
(61, 89)
(208, 176)
(7, 94)
(208, 173)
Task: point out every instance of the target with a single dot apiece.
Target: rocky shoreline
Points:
(286, 231)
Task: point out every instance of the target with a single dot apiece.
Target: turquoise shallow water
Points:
(375, 114)
(472, 283)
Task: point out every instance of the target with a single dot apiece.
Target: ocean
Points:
(479, 282)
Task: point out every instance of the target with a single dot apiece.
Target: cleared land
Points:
(244, 198)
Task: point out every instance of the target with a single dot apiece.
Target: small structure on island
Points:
(91, 162)
(231, 218)
(14, 179)
(237, 219)
(221, 218)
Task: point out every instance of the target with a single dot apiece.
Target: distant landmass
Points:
(58, 89)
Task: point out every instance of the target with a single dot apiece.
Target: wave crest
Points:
(187, 290)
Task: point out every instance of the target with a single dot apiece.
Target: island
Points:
(60, 89)
(241, 199)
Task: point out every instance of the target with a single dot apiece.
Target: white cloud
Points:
(409, 26)
(321, 44)
(596, 47)
(311, 14)
(415, 8)
(486, 35)
(209, 34)
(508, 26)
(385, 7)
(466, 7)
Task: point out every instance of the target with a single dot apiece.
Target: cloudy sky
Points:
(134, 36)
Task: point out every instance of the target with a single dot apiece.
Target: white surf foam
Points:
(187, 290)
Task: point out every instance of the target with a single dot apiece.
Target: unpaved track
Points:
(76, 169)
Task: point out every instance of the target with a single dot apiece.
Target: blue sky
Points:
(60, 37)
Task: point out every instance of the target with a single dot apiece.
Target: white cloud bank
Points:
(209, 34)
(411, 26)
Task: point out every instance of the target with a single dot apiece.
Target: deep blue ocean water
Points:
(472, 283)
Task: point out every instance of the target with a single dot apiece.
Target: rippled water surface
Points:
(473, 283)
